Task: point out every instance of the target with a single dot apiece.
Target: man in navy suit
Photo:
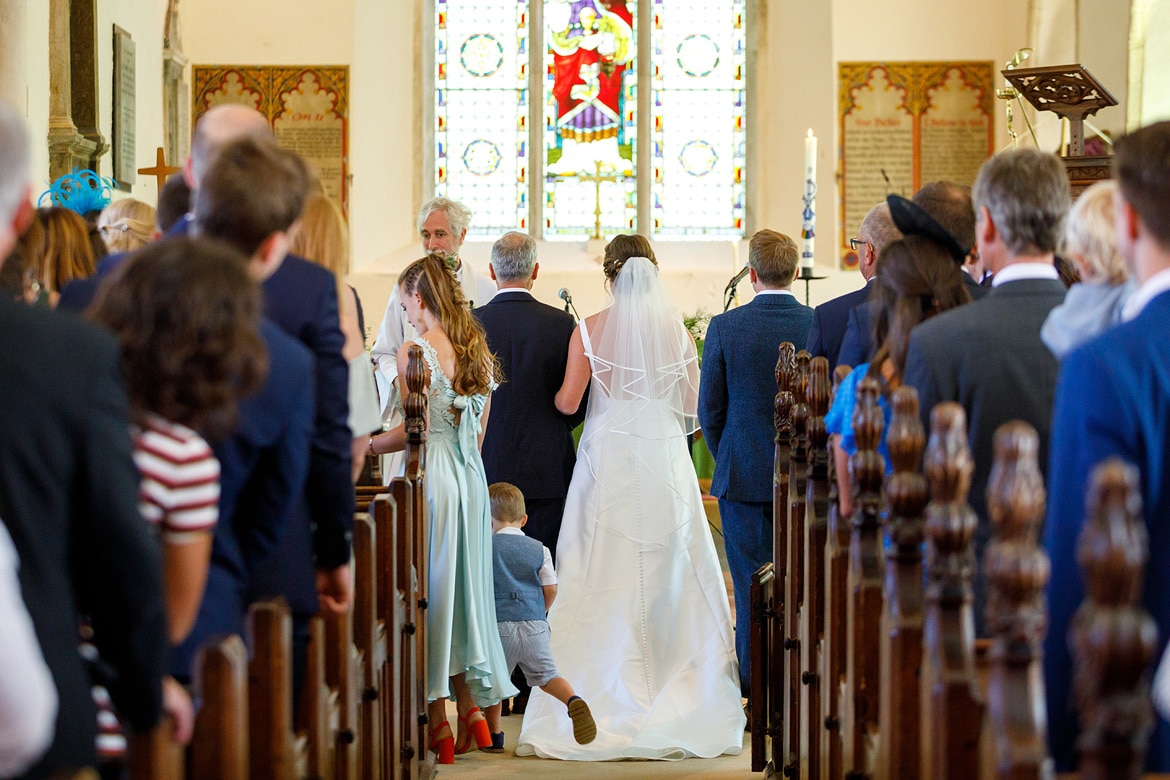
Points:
(830, 319)
(987, 355)
(1112, 400)
(528, 442)
(264, 464)
(301, 298)
(736, 394)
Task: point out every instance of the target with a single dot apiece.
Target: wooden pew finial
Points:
(906, 490)
(1113, 638)
(1016, 570)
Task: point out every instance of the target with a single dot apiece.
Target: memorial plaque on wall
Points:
(307, 106)
(904, 124)
(125, 167)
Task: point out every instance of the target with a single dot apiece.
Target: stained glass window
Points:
(697, 132)
(481, 111)
(587, 99)
(590, 112)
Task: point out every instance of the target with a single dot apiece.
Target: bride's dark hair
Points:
(621, 249)
(476, 368)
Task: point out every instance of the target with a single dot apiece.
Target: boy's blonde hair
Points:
(507, 503)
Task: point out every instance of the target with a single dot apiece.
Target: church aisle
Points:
(507, 766)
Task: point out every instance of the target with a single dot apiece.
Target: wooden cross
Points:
(597, 179)
(161, 170)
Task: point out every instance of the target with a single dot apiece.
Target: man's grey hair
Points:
(878, 228)
(14, 163)
(458, 215)
(514, 257)
(1026, 193)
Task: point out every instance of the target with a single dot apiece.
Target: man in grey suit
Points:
(988, 355)
(736, 392)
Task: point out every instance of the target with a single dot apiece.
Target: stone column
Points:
(14, 54)
(67, 148)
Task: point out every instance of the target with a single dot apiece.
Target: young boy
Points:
(525, 588)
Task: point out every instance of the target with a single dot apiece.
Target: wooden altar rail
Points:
(858, 670)
(363, 708)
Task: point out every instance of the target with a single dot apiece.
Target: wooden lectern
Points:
(1071, 92)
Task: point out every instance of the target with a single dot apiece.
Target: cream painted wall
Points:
(144, 21)
(1156, 66)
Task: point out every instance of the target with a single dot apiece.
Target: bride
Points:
(641, 624)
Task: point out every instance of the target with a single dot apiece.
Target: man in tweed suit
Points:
(736, 392)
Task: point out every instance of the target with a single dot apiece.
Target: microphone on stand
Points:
(567, 297)
(729, 291)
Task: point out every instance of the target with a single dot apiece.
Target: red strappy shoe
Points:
(442, 743)
(478, 729)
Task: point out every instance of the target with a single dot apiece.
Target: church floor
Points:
(506, 765)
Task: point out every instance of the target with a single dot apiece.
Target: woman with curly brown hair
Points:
(186, 315)
(464, 650)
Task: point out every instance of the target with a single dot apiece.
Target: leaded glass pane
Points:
(590, 96)
(481, 111)
(697, 125)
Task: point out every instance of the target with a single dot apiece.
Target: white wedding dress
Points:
(641, 626)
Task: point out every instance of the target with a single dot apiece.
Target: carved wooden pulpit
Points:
(1071, 92)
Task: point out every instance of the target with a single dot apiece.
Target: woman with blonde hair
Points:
(322, 237)
(1095, 303)
(126, 224)
(464, 650)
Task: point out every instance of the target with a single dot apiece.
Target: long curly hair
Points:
(476, 368)
(187, 317)
(916, 279)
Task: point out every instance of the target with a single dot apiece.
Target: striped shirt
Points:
(179, 492)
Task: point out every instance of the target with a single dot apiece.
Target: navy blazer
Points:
(69, 498)
(263, 466)
(829, 322)
(78, 294)
(857, 347)
(527, 441)
(301, 298)
(738, 389)
(1113, 399)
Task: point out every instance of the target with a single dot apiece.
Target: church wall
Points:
(145, 22)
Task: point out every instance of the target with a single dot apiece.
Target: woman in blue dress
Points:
(464, 651)
(916, 279)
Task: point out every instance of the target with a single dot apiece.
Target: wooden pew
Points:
(343, 676)
(778, 698)
(863, 609)
(219, 747)
(1113, 638)
(835, 578)
(794, 568)
(155, 755)
(370, 630)
(901, 625)
(414, 566)
(763, 612)
(952, 707)
(816, 526)
(274, 750)
(1016, 570)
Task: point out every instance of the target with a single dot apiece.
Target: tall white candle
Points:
(808, 217)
